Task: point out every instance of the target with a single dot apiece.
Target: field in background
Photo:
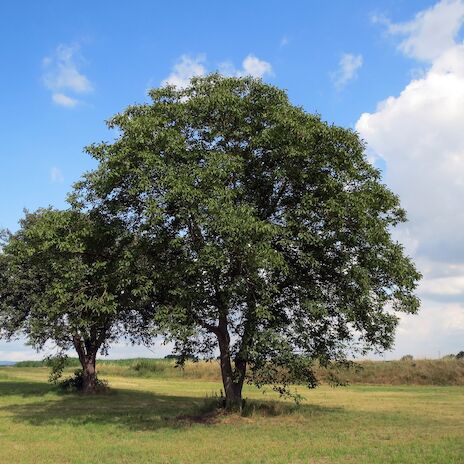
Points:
(408, 372)
(162, 419)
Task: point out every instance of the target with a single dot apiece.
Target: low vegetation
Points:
(446, 371)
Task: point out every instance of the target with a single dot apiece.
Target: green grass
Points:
(168, 420)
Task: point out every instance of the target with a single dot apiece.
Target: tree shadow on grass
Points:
(134, 410)
(24, 389)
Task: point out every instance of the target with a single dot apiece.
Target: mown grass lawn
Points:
(143, 420)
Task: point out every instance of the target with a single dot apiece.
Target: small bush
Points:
(57, 364)
(460, 355)
(407, 357)
(76, 384)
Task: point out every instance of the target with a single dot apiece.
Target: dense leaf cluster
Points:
(271, 227)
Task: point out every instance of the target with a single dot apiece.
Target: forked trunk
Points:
(232, 379)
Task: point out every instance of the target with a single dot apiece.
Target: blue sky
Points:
(68, 67)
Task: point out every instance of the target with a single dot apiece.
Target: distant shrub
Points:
(460, 355)
(407, 357)
(41, 363)
(449, 356)
(70, 362)
(176, 357)
(148, 366)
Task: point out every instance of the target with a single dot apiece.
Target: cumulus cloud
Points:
(419, 135)
(187, 67)
(255, 67)
(56, 175)
(437, 331)
(251, 66)
(62, 75)
(432, 32)
(348, 67)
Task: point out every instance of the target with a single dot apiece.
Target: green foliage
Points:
(57, 365)
(269, 228)
(68, 277)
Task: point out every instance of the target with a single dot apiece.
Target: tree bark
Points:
(87, 359)
(89, 375)
(232, 379)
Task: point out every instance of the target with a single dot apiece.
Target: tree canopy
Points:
(68, 278)
(271, 230)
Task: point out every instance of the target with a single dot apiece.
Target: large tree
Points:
(271, 227)
(68, 278)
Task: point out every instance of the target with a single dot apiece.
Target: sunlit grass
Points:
(169, 420)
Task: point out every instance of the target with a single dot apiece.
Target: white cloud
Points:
(436, 331)
(431, 32)
(447, 286)
(186, 68)
(255, 67)
(251, 66)
(348, 67)
(62, 74)
(63, 100)
(56, 175)
(419, 135)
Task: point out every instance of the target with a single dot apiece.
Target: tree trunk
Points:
(89, 375)
(232, 379)
(88, 362)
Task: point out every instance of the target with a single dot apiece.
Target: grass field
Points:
(169, 420)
